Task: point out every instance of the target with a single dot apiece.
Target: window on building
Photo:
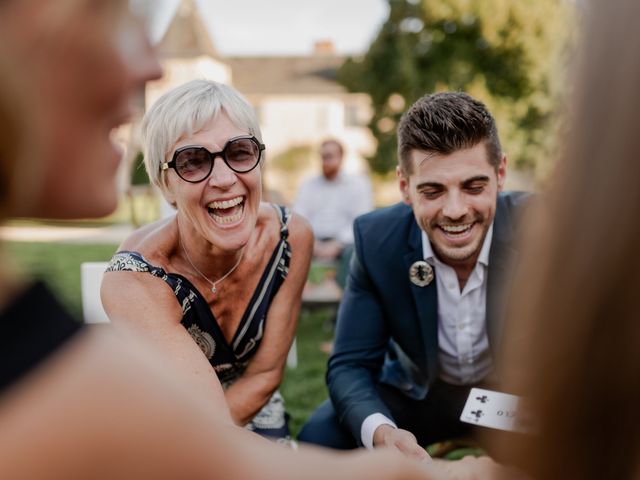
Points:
(322, 118)
(352, 116)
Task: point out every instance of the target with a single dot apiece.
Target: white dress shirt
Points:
(464, 357)
(331, 206)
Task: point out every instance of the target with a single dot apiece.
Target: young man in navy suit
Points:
(419, 322)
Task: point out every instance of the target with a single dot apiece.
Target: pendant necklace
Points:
(213, 284)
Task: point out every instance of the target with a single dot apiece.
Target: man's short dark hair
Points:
(445, 122)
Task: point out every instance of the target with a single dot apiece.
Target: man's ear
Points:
(502, 172)
(403, 183)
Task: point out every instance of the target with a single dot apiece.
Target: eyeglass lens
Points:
(194, 164)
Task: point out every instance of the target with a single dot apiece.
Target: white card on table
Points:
(493, 409)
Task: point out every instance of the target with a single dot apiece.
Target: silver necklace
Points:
(213, 284)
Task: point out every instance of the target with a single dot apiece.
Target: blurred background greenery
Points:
(511, 55)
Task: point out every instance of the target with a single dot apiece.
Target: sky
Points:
(283, 27)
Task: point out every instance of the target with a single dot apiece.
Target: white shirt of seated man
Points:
(464, 357)
(331, 206)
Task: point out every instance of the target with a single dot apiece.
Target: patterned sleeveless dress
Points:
(229, 359)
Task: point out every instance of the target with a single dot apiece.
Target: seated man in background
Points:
(419, 320)
(331, 202)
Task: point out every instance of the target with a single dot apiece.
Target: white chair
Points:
(93, 312)
(292, 356)
(90, 280)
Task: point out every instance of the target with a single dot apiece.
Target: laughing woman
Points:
(217, 287)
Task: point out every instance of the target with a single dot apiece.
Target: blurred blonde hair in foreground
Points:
(574, 348)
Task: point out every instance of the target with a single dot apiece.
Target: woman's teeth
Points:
(227, 219)
(226, 211)
(224, 204)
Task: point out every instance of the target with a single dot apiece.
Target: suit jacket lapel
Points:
(500, 256)
(426, 301)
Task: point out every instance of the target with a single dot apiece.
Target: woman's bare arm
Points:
(109, 407)
(265, 370)
(147, 306)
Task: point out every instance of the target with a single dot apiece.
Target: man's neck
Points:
(463, 268)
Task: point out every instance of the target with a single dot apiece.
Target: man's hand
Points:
(402, 440)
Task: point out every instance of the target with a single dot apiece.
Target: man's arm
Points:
(360, 344)
(362, 337)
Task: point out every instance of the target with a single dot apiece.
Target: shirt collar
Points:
(483, 258)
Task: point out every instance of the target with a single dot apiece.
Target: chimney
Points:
(324, 48)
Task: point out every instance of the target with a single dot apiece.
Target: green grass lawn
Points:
(59, 265)
(304, 388)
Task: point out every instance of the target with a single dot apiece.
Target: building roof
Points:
(286, 75)
(186, 35)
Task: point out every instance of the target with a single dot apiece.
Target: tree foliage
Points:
(505, 53)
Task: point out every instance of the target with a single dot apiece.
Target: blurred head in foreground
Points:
(576, 336)
(81, 62)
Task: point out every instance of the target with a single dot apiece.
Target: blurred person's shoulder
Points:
(311, 181)
(360, 180)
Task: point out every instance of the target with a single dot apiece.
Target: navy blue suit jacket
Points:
(387, 327)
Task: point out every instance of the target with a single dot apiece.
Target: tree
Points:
(505, 53)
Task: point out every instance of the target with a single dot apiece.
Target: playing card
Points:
(493, 409)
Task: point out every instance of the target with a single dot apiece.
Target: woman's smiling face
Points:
(223, 208)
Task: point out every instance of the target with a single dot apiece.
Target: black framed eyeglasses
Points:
(193, 164)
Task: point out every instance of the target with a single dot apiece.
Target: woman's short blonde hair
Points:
(184, 111)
